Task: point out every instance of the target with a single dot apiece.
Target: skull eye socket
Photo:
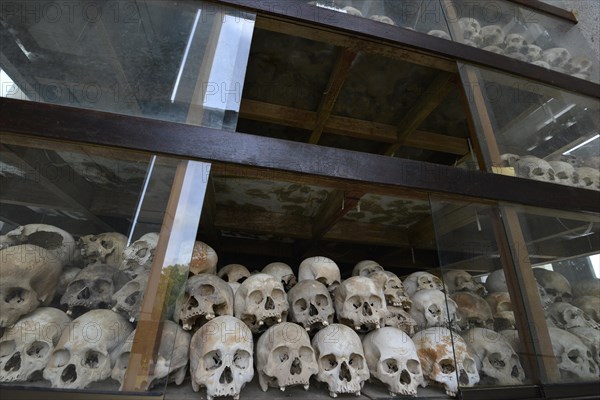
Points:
(574, 356)
(107, 244)
(141, 253)
(241, 359)
(256, 297)
(447, 366)
(92, 359)
(16, 295)
(375, 301)
(321, 300)
(59, 358)
(281, 354)
(495, 360)
(469, 365)
(278, 295)
(300, 305)
(328, 362)
(206, 290)
(413, 366)
(212, 360)
(355, 301)
(7, 348)
(38, 349)
(390, 366)
(306, 353)
(356, 361)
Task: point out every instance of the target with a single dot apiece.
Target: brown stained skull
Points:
(462, 281)
(206, 296)
(474, 311)
(105, 248)
(502, 310)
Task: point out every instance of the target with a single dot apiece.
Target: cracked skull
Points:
(261, 302)
(206, 296)
(105, 248)
(283, 272)
(360, 304)
(502, 310)
(311, 305)
(204, 259)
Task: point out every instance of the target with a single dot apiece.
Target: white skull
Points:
(566, 316)
(341, 360)
(87, 350)
(590, 305)
(26, 347)
(509, 159)
(365, 267)
(517, 56)
(261, 302)
(284, 357)
(310, 305)
(171, 360)
(128, 299)
(496, 360)
(322, 269)
(431, 308)
(399, 318)
(589, 287)
(30, 276)
(474, 311)
(589, 178)
(580, 65)
(139, 254)
(93, 287)
(461, 281)
(234, 273)
(575, 360)
(557, 57)
(438, 349)
(382, 18)
(439, 33)
(533, 53)
(534, 168)
(352, 11)
(494, 49)
(48, 237)
(392, 358)
(541, 63)
(221, 357)
(204, 259)
(496, 282)
(360, 304)
(206, 296)
(591, 338)
(105, 248)
(502, 310)
(557, 287)
(392, 287)
(515, 43)
(421, 280)
(493, 35)
(471, 30)
(283, 272)
(564, 173)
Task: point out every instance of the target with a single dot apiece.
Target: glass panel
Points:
(181, 62)
(540, 132)
(487, 314)
(81, 228)
(523, 34)
(562, 249)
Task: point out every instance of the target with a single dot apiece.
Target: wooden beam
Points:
(208, 232)
(240, 219)
(332, 210)
(341, 69)
(424, 106)
(365, 233)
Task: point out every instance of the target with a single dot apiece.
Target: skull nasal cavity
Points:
(345, 372)
(312, 311)
(69, 374)
(463, 379)
(14, 363)
(269, 304)
(226, 377)
(296, 367)
(405, 377)
(84, 294)
(367, 309)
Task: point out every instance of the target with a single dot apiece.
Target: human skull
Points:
(575, 360)
(517, 56)
(515, 43)
(93, 287)
(557, 57)
(392, 358)
(261, 302)
(493, 35)
(382, 18)
(566, 316)
(365, 267)
(496, 360)
(580, 65)
(399, 318)
(496, 282)
(283, 272)
(557, 287)
(471, 30)
(310, 305)
(25, 348)
(360, 304)
(590, 305)
(461, 281)
(392, 287)
(509, 159)
(341, 360)
(171, 360)
(204, 259)
(431, 308)
(439, 33)
(502, 310)
(87, 350)
(494, 49)
(48, 237)
(284, 357)
(352, 11)
(534, 168)
(421, 280)
(221, 357)
(128, 299)
(474, 311)
(589, 178)
(591, 338)
(438, 349)
(322, 269)
(541, 63)
(589, 287)
(30, 276)
(105, 248)
(139, 254)
(564, 173)
(66, 277)
(534, 53)
(234, 273)
(206, 296)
